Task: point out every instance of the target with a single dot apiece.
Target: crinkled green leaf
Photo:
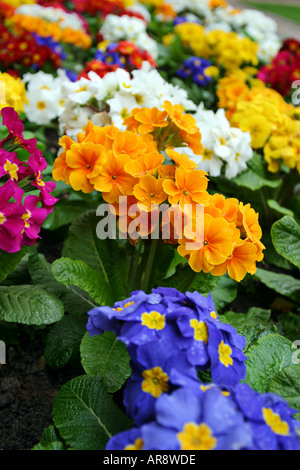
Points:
(86, 415)
(286, 239)
(281, 283)
(255, 177)
(75, 300)
(267, 356)
(253, 317)
(107, 357)
(50, 440)
(63, 341)
(9, 261)
(289, 325)
(278, 208)
(80, 274)
(287, 384)
(224, 292)
(105, 256)
(29, 305)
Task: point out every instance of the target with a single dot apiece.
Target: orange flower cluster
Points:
(45, 28)
(132, 163)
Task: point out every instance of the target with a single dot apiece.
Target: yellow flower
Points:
(12, 92)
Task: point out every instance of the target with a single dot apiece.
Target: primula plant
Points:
(149, 227)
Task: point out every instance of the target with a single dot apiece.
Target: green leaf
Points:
(65, 212)
(75, 300)
(63, 341)
(286, 238)
(289, 325)
(105, 256)
(281, 283)
(50, 440)
(78, 273)
(29, 305)
(266, 357)
(278, 208)
(255, 176)
(107, 357)
(9, 261)
(224, 292)
(287, 384)
(86, 415)
(253, 317)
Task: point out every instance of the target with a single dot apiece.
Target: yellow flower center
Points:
(124, 113)
(207, 154)
(25, 217)
(156, 381)
(200, 330)
(138, 445)
(39, 179)
(119, 309)
(214, 315)
(12, 169)
(196, 437)
(41, 105)
(2, 218)
(274, 421)
(225, 354)
(153, 320)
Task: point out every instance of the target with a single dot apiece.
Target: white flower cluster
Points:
(117, 28)
(200, 7)
(222, 145)
(103, 100)
(53, 15)
(252, 23)
(44, 93)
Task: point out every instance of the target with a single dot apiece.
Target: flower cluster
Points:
(129, 28)
(170, 337)
(51, 22)
(224, 147)
(28, 51)
(284, 68)
(112, 98)
(25, 198)
(193, 419)
(141, 163)
(12, 92)
(226, 48)
(199, 70)
(111, 56)
(44, 93)
(124, 54)
(273, 124)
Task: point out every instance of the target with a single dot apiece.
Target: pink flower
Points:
(11, 222)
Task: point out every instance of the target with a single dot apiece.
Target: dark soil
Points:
(27, 390)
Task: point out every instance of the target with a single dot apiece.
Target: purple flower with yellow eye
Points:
(158, 367)
(212, 344)
(127, 440)
(187, 420)
(270, 418)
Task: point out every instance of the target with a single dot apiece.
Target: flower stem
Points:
(150, 257)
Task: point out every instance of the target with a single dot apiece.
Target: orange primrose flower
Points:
(189, 187)
(149, 191)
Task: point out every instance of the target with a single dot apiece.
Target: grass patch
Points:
(292, 12)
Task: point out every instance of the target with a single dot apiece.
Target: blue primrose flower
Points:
(53, 45)
(127, 440)
(270, 418)
(158, 367)
(186, 420)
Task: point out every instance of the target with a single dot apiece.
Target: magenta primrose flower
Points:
(21, 213)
